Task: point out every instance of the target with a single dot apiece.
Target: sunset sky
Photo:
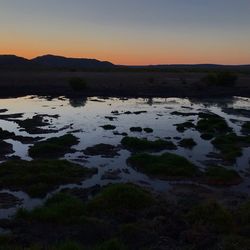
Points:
(129, 31)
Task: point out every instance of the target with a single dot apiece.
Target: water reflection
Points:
(86, 125)
(78, 102)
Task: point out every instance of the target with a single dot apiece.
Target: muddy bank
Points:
(129, 84)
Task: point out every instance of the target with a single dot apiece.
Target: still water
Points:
(84, 118)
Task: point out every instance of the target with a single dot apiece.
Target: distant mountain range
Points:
(60, 62)
(50, 61)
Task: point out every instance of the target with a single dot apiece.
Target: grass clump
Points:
(148, 130)
(119, 197)
(108, 127)
(216, 175)
(137, 144)
(229, 146)
(212, 124)
(223, 79)
(207, 136)
(136, 129)
(163, 166)
(211, 215)
(182, 127)
(54, 147)
(187, 143)
(78, 84)
(61, 208)
(245, 129)
(113, 244)
(39, 177)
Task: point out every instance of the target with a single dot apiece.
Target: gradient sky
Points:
(129, 31)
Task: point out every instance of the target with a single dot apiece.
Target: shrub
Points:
(78, 84)
(220, 79)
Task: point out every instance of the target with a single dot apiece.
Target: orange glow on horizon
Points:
(128, 59)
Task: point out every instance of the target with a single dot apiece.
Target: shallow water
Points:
(83, 118)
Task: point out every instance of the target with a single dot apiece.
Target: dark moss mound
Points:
(184, 113)
(230, 145)
(207, 136)
(148, 130)
(3, 110)
(119, 197)
(8, 201)
(182, 127)
(105, 150)
(136, 129)
(212, 216)
(37, 178)
(221, 176)
(243, 214)
(108, 127)
(113, 244)
(187, 143)
(137, 144)
(6, 148)
(212, 124)
(163, 166)
(61, 208)
(34, 125)
(5, 135)
(54, 147)
(245, 129)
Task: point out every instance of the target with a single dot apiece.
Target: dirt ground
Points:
(124, 84)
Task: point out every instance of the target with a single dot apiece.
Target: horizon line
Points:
(127, 65)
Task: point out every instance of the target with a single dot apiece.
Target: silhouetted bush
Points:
(221, 79)
(78, 84)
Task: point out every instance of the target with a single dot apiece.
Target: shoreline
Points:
(117, 84)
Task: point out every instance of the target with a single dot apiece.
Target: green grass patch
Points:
(136, 129)
(212, 124)
(108, 127)
(187, 143)
(148, 130)
(113, 244)
(61, 208)
(39, 177)
(229, 146)
(163, 166)
(182, 127)
(54, 147)
(216, 175)
(245, 129)
(211, 215)
(119, 197)
(137, 144)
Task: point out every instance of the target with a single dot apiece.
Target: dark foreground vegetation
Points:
(125, 216)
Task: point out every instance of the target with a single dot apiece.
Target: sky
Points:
(131, 32)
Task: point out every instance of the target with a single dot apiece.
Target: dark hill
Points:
(52, 61)
(14, 62)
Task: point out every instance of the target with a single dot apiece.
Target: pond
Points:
(86, 119)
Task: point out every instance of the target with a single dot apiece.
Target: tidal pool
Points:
(85, 118)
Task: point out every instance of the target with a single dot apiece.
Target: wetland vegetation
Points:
(166, 174)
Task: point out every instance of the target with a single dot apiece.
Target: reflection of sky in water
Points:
(87, 115)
